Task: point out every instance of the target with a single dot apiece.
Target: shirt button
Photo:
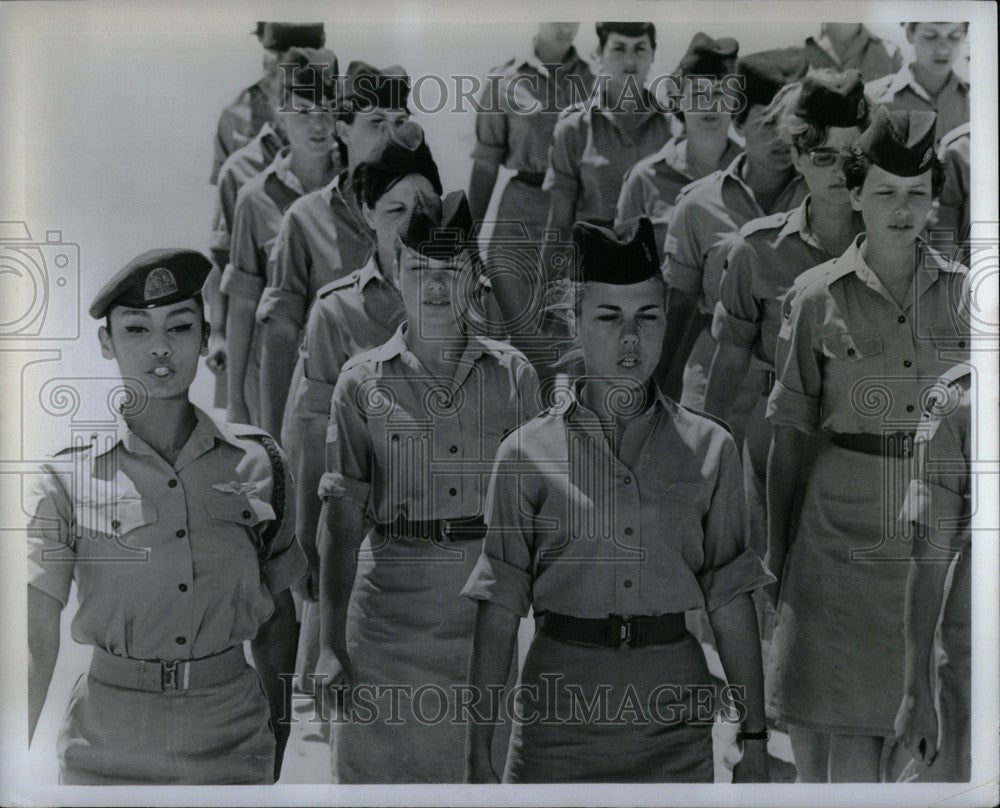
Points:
(395, 438)
(246, 514)
(902, 318)
(909, 408)
(172, 484)
(180, 534)
(850, 352)
(961, 343)
(453, 449)
(181, 640)
(627, 479)
(628, 583)
(182, 587)
(115, 524)
(453, 491)
(907, 363)
(628, 531)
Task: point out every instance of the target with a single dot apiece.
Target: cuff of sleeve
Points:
(562, 183)
(219, 240)
(335, 484)
(284, 570)
(50, 568)
(241, 284)
(744, 573)
(314, 398)
(796, 410)
(488, 153)
(734, 330)
(278, 304)
(500, 583)
(682, 277)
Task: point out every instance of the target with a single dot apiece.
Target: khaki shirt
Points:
(575, 528)
(850, 359)
(591, 153)
(902, 91)
(518, 113)
(708, 215)
(169, 561)
(766, 257)
(652, 185)
(240, 122)
(955, 192)
(322, 238)
(874, 57)
(402, 442)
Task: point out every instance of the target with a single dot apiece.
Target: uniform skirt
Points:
(836, 661)
(218, 735)
(409, 636)
(593, 714)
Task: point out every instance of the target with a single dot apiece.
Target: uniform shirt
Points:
(168, 560)
(651, 186)
(591, 152)
(874, 57)
(401, 442)
(767, 256)
(517, 139)
(902, 91)
(240, 121)
(849, 359)
(955, 192)
(575, 528)
(322, 237)
(709, 212)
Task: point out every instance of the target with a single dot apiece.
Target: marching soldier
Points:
(179, 535)
(953, 213)
(851, 46)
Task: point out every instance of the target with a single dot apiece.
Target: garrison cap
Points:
(401, 151)
(313, 77)
(281, 36)
(259, 30)
(155, 278)
(900, 141)
(768, 71)
(621, 256)
(709, 57)
(368, 87)
(441, 233)
(833, 99)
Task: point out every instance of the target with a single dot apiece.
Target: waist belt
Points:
(770, 377)
(614, 630)
(532, 178)
(157, 676)
(893, 444)
(461, 528)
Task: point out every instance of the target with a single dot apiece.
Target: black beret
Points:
(155, 278)
(259, 30)
(368, 87)
(709, 57)
(633, 29)
(833, 99)
(281, 36)
(621, 256)
(768, 71)
(440, 233)
(900, 141)
(401, 151)
(313, 77)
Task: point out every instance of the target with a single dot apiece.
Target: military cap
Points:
(624, 255)
(313, 75)
(155, 278)
(368, 87)
(441, 233)
(632, 29)
(768, 71)
(709, 57)
(281, 36)
(836, 99)
(900, 141)
(259, 30)
(401, 151)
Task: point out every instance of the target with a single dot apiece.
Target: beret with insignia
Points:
(900, 141)
(443, 231)
(281, 36)
(368, 87)
(833, 99)
(401, 151)
(624, 255)
(155, 278)
(709, 57)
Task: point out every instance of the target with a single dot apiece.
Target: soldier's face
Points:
(621, 329)
(392, 208)
(826, 182)
(363, 133)
(309, 132)
(156, 349)
(558, 34)
(936, 45)
(764, 145)
(704, 106)
(432, 292)
(894, 209)
(626, 58)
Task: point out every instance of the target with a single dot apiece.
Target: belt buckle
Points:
(906, 445)
(168, 674)
(445, 528)
(625, 629)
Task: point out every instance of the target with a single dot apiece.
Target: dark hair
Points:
(857, 165)
(911, 26)
(633, 29)
(800, 132)
(196, 297)
(371, 181)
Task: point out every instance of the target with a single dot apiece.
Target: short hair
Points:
(800, 132)
(911, 26)
(783, 100)
(633, 29)
(197, 298)
(857, 165)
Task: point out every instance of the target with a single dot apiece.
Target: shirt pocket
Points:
(951, 343)
(112, 524)
(242, 517)
(680, 512)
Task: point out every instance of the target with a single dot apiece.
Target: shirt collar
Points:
(825, 44)
(371, 271)
(475, 348)
(905, 79)
(568, 404)
(931, 264)
(531, 60)
(341, 180)
(675, 157)
(201, 440)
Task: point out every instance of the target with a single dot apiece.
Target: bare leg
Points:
(855, 758)
(811, 750)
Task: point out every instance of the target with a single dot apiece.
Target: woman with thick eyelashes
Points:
(610, 515)
(179, 533)
(414, 426)
(860, 348)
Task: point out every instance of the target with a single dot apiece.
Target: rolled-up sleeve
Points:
(738, 313)
(51, 544)
(491, 126)
(563, 174)
(284, 562)
(682, 265)
(245, 275)
(795, 399)
(730, 567)
(349, 450)
(502, 574)
(286, 297)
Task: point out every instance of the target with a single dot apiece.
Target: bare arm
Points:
(492, 649)
(43, 650)
(217, 309)
(729, 367)
(240, 324)
(481, 184)
(784, 477)
(562, 214)
(277, 363)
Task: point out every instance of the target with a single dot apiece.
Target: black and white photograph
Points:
(529, 403)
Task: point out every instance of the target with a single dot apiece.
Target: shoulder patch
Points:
(775, 220)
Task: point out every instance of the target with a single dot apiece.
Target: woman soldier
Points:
(610, 515)
(859, 350)
(414, 426)
(820, 118)
(179, 536)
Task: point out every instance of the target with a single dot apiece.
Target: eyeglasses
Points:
(824, 158)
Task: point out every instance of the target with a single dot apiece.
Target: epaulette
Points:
(345, 282)
(695, 184)
(953, 135)
(770, 222)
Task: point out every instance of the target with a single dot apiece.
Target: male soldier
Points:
(846, 45)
